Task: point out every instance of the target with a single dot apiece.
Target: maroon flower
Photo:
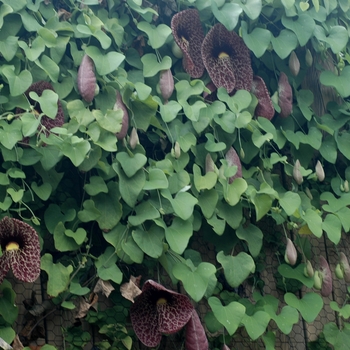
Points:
(264, 107)
(285, 96)
(227, 59)
(188, 34)
(20, 250)
(159, 310)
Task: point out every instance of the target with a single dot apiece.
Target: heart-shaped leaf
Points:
(156, 35)
(43, 191)
(256, 324)
(156, 180)
(150, 241)
(19, 83)
(236, 268)
(230, 316)
(339, 82)
(195, 281)
(309, 305)
(131, 164)
(105, 63)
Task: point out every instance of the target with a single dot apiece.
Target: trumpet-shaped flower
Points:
(188, 34)
(227, 59)
(20, 250)
(158, 310)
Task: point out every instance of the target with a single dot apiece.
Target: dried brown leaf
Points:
(105, 287)
(17, 344)
(84, 306)
(131, 290)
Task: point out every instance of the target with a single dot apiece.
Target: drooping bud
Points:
(119, 104)
(294, 64)
(232, 159)
(296, 173)
(344, 263)
(86, 79)
(339, 271)
(317, 280)
(308, 193)
(310, 269)
(325, 271)
(319, 171)
(285, 96)
(291, 254)
(177, 150)
(166, 84)
(134, 138)
(209, 164)
(346, 186)
(308, 58)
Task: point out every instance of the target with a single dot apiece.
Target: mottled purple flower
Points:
(188, 34)
(227, 59)
(158, 310)
(264, 107)
(20, 250)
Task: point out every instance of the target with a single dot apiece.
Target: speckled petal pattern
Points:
(150, 319)
(227, 59)
(188, 34)
(24, 262)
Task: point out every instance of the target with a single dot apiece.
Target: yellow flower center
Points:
(12, 246)
(184, 41)
(223, 55)
(161, 301)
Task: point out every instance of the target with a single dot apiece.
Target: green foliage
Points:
(107, 208)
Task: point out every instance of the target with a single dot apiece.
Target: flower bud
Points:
(296, 173)
(294, 64)
(177, 150)
(308, 269)
(134, 138)
(346, 186)
(319, 171)
(308, 58)
(317, 281)
(344, 263)
(327, 283)
(339, 271)
(291, 254)
(209, 164)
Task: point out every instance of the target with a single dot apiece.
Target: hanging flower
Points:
(227, 59)
(285, 96)
(188, 34)
(158, 310)
(20, 250)
(264, 107)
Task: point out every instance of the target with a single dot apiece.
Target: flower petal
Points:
(4, 266)
(144, 319)
(24, 262)
(174, 315)
(188, 34)
(265, 107)
(195, 334)
(227, 59)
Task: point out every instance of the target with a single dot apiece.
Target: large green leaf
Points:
(236, 268)
(227, 15)
(309, 305)
(230, 316)
(258, 40)
(339, 82)
(58, 275)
